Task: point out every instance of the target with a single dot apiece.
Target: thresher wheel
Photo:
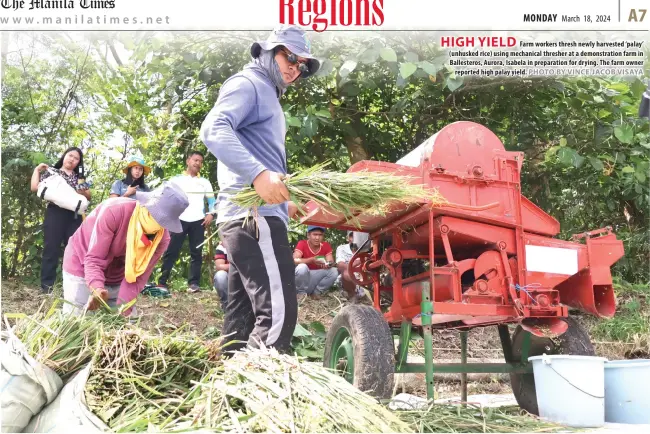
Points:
(575, 341)
(360, 347)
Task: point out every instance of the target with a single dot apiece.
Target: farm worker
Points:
(246, 130)
(344, 254)
(314, 261)
(59, 223)
(644, 108)
(135, 172)
(114, 251)
(221, 265)
(195, 220)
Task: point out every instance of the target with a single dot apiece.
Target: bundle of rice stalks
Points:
(140, 381)
(263, 391)
(65, 343)
(348, 193)
(475, 419)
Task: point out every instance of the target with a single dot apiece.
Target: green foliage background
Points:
(376, 97)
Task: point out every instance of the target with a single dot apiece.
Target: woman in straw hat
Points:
(114, 251)
(135, 172)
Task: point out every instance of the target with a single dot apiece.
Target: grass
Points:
(628, 333)
(474, 419)
(632, 314)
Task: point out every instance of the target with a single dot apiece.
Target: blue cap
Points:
(313, 228)
(295, 40)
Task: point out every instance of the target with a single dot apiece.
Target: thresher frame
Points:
(428, 307)
(521, 274)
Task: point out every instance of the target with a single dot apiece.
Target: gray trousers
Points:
(76, 293)
(314, 281)
(221, 285)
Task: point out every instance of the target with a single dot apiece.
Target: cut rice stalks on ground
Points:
(65, 343)
(139, 381)
(264, 391)
(473, 418)
(348, 193)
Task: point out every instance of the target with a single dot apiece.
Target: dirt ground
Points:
(201, 313)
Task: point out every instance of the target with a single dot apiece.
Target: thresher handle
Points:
(469, 207)
(360, 249)
(590, 234)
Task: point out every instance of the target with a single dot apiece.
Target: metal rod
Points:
(427, 312)
(463, 361)
(506, 343)
(525, 347)
(470, 368)
(404, 339)
(411, 214)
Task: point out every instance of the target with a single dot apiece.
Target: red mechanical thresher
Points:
(486, 258)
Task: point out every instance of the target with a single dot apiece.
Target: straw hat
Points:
(137, 161)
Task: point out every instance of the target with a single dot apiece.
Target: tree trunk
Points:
(356, 149)
(4, 36)
(19, 240)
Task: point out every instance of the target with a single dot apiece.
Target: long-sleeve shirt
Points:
(245, 130)
(97, 250)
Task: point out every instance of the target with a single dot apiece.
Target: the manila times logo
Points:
(321, 14)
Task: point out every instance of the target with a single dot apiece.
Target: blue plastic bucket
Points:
(627, 391)
(570, 389)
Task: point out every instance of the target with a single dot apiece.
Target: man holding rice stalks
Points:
(112, 254)
(246, 131)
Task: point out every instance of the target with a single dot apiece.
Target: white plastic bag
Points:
(56, 190)
(69, 411)
(26, 385)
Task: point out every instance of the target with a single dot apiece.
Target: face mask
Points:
(266, 61)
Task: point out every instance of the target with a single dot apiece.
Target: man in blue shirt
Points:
(246, 130)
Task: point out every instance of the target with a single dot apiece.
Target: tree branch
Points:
(116, 56)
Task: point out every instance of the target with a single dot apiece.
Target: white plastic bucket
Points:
(627, 396)
(570, 389)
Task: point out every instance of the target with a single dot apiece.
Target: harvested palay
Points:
(65, 343)
(349, 194)
(178, 382)
(140, 380)
(264, 391)
(175, 383)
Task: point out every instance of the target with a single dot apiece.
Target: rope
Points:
(523, 288)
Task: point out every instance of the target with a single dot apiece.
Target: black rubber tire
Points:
(575, 341)
(372, 346)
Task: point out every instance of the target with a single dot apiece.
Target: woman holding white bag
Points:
(59, 223)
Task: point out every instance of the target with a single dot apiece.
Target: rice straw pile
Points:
(474, 419)
(65, 343)
(139, 381)
(263, 391)
(348, 193)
